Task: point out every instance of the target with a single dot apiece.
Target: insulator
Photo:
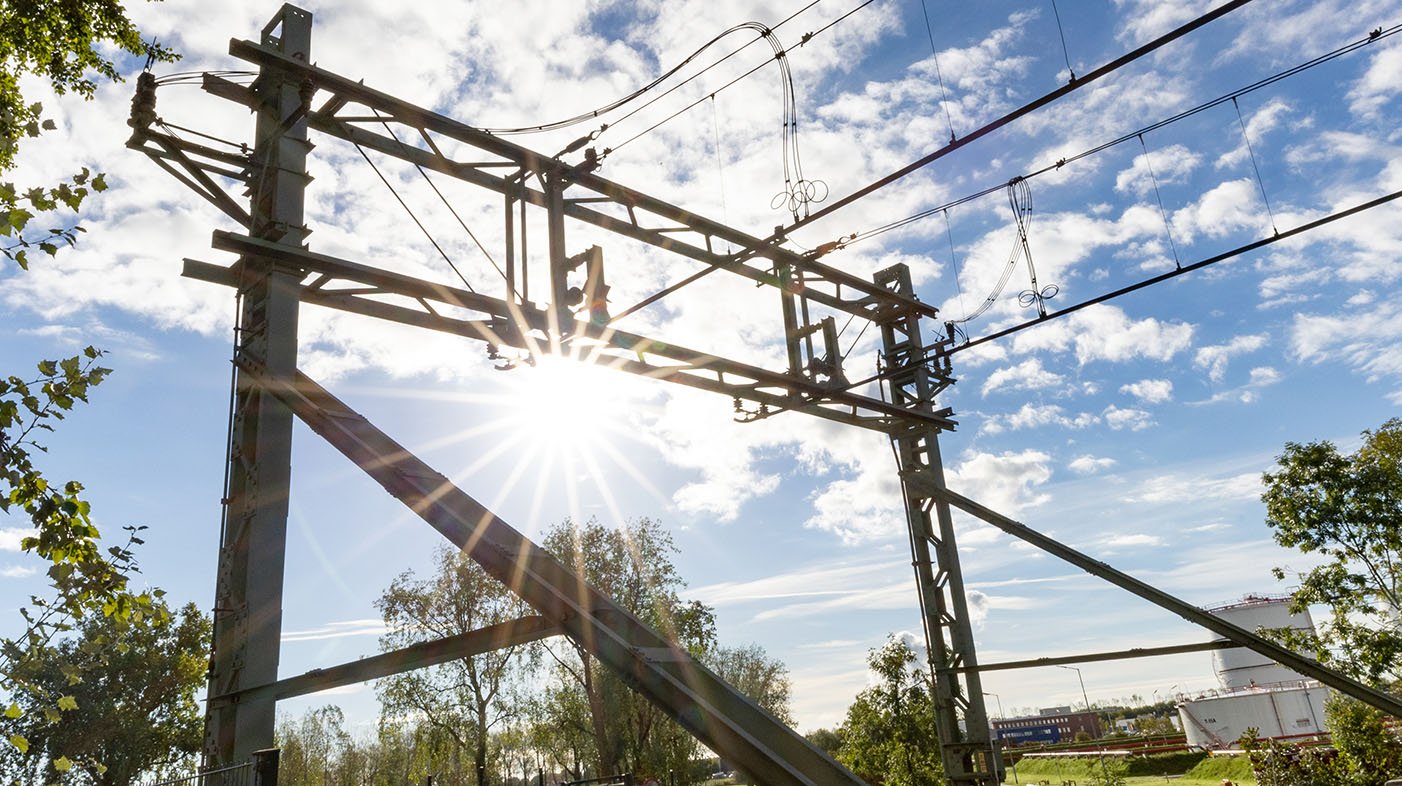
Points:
(143, 104)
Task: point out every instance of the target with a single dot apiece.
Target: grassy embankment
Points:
(1181, 771)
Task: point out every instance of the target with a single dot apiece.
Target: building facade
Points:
(1058, 724)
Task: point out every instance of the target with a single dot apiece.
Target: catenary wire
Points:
(415, 218)
(931, 351)
(593, 114)
(806, 38)
(1022, 111)
(939, 75)
(1212, 260)
(1258, 85)
(384, 122)
(1245, 137)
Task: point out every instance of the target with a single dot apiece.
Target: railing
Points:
(260, 770)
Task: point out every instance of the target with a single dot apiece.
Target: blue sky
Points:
(1136, 431)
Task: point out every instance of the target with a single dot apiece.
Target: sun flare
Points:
(565, 407)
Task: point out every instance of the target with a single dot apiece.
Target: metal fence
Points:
(260, 770)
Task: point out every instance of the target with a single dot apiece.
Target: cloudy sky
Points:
(1136, 430)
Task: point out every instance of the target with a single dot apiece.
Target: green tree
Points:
(1370, 751)
(754, 673)
(64, 43)
(127, 705)
(313, 748)
(632, 565)
(465, 699)
(1348, 509)
(829, 740)
(888, 736)
(1276, 763)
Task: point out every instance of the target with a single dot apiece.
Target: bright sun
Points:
(565, 406)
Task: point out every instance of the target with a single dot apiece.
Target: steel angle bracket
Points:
(708, 707)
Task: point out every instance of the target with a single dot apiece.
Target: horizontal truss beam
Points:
(417, 656)
(514, 325)
(667, 226)
(721, 717)
(1136, 652)
(1284, 656)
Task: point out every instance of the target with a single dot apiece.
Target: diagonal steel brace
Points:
(715, 712)
(1282, 655)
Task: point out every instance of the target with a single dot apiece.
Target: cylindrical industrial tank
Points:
(1244, 668)
(1219, 721)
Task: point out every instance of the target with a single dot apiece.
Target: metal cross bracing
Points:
(276, 272)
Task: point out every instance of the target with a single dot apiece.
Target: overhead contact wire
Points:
(1122, 291)
(1016, 114)
(1251, 88)
(1236, 252)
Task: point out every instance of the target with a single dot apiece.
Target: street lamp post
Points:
(1001, 716)
(1099, 746)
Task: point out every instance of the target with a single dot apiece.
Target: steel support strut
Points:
(248, 593)
(966, 748)
(1241, 636)
(717, 714)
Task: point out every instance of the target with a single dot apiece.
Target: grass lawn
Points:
(1137, 781)
(1208, 772)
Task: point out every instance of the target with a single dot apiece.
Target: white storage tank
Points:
(1218, 720)
(1244, 668)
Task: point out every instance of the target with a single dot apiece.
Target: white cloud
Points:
(337, 630)
(1027, 375)
(1369, 340)
(1258, 124)
(1182, 488)
(1263, 376)
(17, 571)
(1035, 415)
(1144, 20)
(1089, 465)
(1150, 391)
(10, 537)
(1005, 482)
(1121, 418)
(1214, 358)
(1379, 85)
(1131, 540)
(1171, 165)
(1106, 333)
(1227, 208)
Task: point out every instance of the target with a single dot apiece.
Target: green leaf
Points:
(14, 711)
(67, 703)
(20, 743)
(63, 764)
(99, 182)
